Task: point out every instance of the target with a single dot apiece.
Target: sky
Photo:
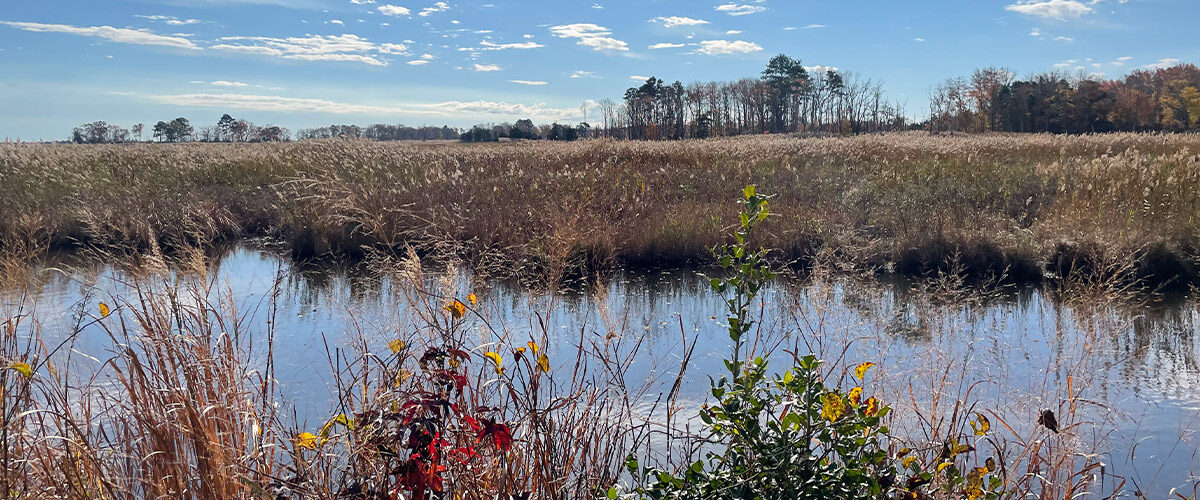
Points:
(308, 63)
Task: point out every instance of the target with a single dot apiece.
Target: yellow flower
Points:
(908, 462)
(472, 299)
(832, 406)
(104, 310)
(396, 346)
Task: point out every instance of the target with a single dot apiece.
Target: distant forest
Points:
(788, 97)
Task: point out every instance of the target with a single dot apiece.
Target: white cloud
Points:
(336, 21)
(349, 48)
(487, 67)
(362, 2)
(428, 57)
(666, 45)
(1061, 10)
(528, 82)
(815, 26)
(589, 35)
(116, 35)
(393, 10)
(1035, 32)
(486, 45)
(1064, 39)
(436, 7)
(733, 32)
(583, 74)
(725, 47)
(171, 20)
(673, 21)
(418, 62)
(919, 39)
(638, 78)
(224, 83)
(734, 9)
(820, 69)
(1163, 63)
(250, 102)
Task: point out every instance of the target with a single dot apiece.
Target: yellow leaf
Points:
(860, 371)
(544, 363)
(908, 462)
(104, 310)
(982, 425)
(856, 396)
(495, 360)
(832, 406)
(22, 368)
(532, 346)
(396, 346)
(974, 492)
(903, 452)
(943, 466)
(872, 407)
(307, 440)
(457, 308)
(962, 448)
(472, 298)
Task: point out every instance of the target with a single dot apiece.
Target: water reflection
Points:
(1137, 364)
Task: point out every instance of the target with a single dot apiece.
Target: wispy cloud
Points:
(667, 45)
(171, 20)
(225, 83)
(735, 9)
(487, 67)
(528, 82)
(486, 45)
(116, 35)
(814, 26)
(435, 8)
(590, 35)
(251, 102)
(1061, 10)
(349, 48)
(726, 47)
(583, 74)
(1163, 63)
(673, 21)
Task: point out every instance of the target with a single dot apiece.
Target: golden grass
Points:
(1020, 206)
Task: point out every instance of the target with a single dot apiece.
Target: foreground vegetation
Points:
(1022, 208)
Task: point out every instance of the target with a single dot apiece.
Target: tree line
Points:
(992, 99)
(787, 97)
(227, 129)
(525, 129)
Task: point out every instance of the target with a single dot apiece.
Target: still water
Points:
(1135, 369)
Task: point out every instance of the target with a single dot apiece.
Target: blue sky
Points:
(305, 63)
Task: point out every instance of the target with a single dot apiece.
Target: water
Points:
(1135, 369)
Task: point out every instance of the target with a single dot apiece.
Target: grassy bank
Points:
(1024, 207)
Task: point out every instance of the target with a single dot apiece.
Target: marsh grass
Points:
(1025, 207)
